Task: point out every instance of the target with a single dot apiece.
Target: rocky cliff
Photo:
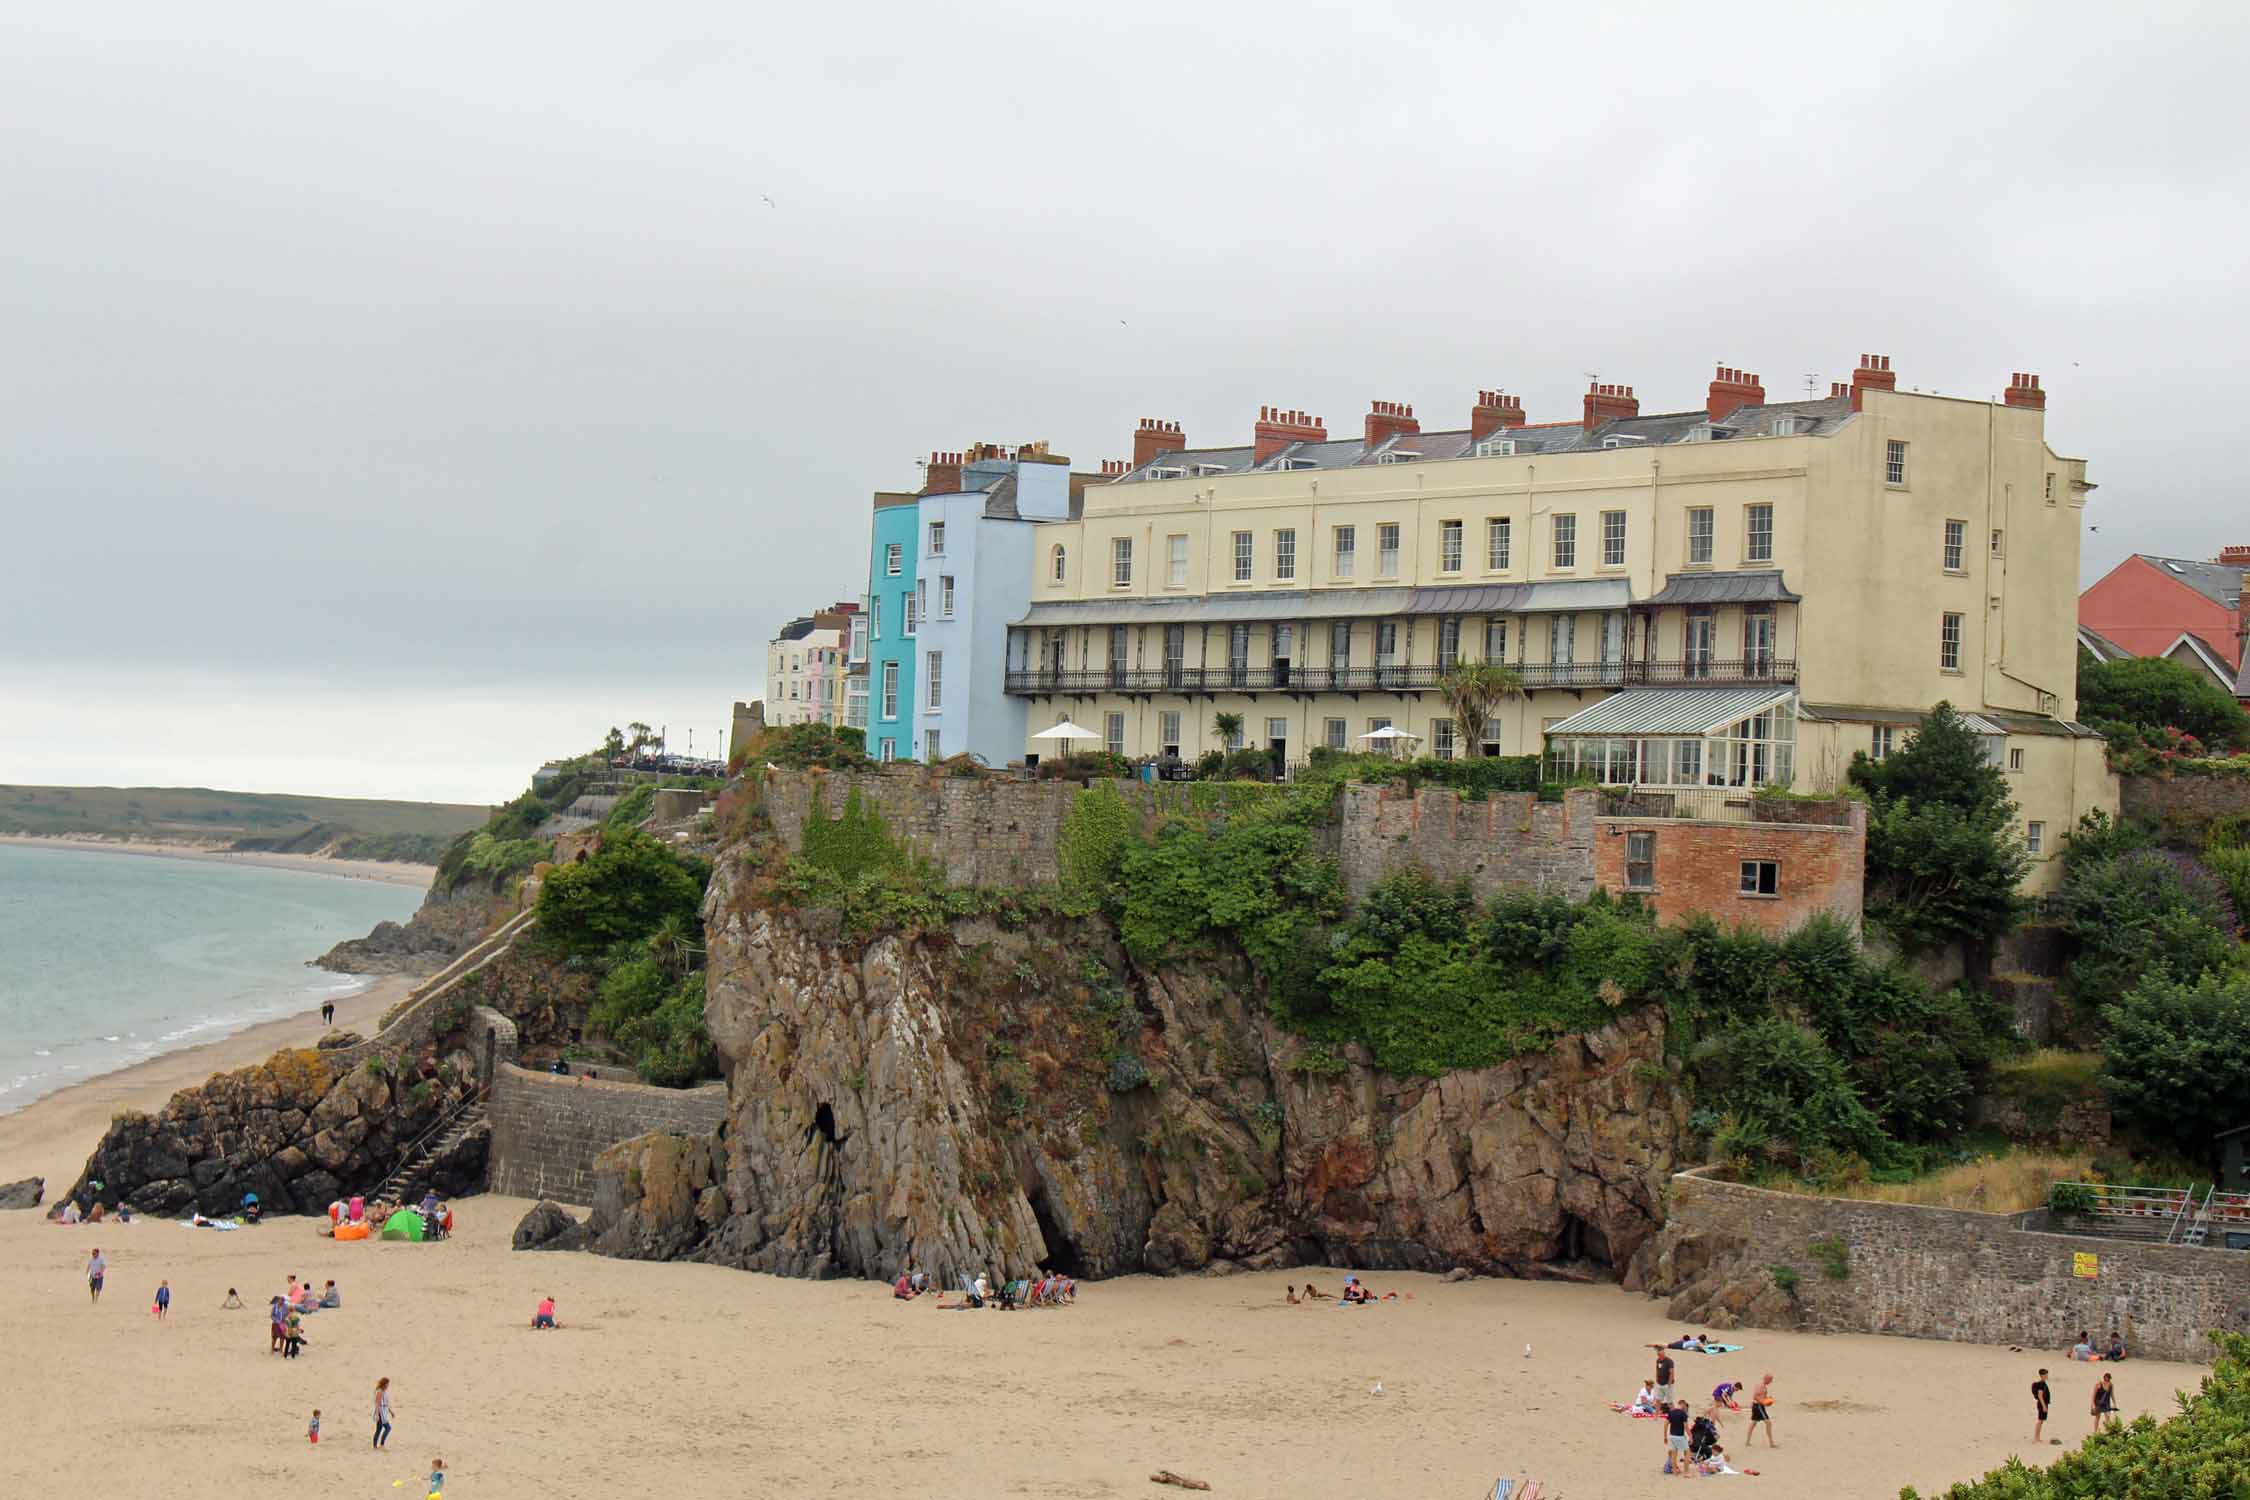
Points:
(987, 1099)
(309, 1125)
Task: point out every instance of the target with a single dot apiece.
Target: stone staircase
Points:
(432, 1144)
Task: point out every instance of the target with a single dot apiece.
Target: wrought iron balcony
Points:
(1691, 671)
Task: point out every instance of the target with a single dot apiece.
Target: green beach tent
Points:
(406, 1224)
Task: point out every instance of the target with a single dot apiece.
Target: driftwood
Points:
(1166, 1476)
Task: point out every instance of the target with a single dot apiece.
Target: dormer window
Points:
(1701, 432)
(1787, 426)
(1397, 456)
(1624, 440)
(1202, 469)
(1164, 473)
(1497, 448)
(1298, 463)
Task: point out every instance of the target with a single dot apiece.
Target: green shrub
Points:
(1127, 1072)
(2071, 1198)
(1785, 1279)
(2176, 1061)
(857, 843)
(1476, 778)
(2231, 867)
(1790, 1098)
(1093, 841)
(799, 747)
(2143, 912)
(1835, 1258)
(2151, 692)
(1943, 861)
(632, 809)
(619, 894)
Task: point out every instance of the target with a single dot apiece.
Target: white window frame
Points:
(933, 680)
(1644, 840)
(1499, 540)
(937, 539)
(859, 638)
(1168, 732)
(1336, 733)
(1443, 741)
(1881, 740)
(1386, 549)
(1702, 535)
(1245, 557)
(1285, 553)
(1113, 732)
(1346, 543)
(1449, 546)
(945, 596)
(1757, 532)
(1953, 552)
(1999, 543)
(1120, 562)
(2035, 837)
(913, 615)
(894, 558)
(1949, 642)
(886, 749)
(1059, 564)
(890, 690)
(932, 746)
(1176, 560)
(1496, 632)
(1613, 539)
(1755, 883)
(1565, 553)
(1894, 463)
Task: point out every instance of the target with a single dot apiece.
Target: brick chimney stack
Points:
(1153, 437)
(2237, 556)
(2023, 390)
(943, 476)
(1385, 418)
(1277, 429)
(1873, 374)
(1732, 389)
(1494, 411)
(983, 452)
(1606, 401)
(1838, 391)
(1113, 467)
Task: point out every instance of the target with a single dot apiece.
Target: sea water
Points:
(109, 958)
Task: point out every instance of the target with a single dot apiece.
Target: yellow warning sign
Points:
(2085, 1266)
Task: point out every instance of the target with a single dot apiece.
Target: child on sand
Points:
(437, 1479)
(545, 1316)
(312, 1432)
(2040, 1396)
(96, 1269)
(163, 1303)
(233, 1302)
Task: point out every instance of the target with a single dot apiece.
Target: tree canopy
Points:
(1943, 859)
(2149, 692)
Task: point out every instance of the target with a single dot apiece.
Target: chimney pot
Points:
(1873, 374)
(1607, 402)
(2023, 390)
(1155, 437)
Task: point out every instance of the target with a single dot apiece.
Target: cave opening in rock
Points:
(1062, 1254)
(823, 1124)
(1582, 1241)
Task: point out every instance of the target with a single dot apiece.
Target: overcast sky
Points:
(391, 398)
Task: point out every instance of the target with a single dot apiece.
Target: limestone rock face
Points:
(447, 925)
(1001, 1101)
(23, 1194)
(647, 1195)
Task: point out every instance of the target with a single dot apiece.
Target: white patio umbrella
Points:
(1066, 732)
(1389, 736)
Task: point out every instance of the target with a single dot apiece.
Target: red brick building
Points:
(2188, 611)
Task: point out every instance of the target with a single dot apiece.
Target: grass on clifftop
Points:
(269, 821)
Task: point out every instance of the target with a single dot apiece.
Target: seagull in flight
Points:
(767, 201)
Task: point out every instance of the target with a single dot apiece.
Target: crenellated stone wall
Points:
(547, 1128)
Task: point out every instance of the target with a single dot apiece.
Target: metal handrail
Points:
(1394, 678)
(405, 1157)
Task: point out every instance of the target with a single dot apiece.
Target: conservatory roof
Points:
(1674, 711)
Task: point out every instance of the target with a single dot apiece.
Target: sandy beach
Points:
(691, 1380)
(390, 872)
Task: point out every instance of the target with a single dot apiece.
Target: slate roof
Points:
(2217, 582)
(1814, 418)
(1752, 586)
(1987, 722)
(1564, 596)
(795, 630)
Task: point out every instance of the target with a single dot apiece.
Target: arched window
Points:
(1059, 561)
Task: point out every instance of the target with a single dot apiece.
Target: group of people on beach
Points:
(1691, 1442)
(1050, 1290)
(2103, 1406)
(1356, 1293)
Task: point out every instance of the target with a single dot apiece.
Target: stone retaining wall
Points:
(547, 1129)
(1510, 841)
(1933, 1273)
(2183, 806)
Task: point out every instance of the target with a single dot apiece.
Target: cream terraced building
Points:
(1698, 603)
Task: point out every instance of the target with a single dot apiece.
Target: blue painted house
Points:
(891, 623)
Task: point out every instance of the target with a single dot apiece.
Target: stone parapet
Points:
(547, 1128)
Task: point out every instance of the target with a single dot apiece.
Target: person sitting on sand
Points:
(2116, 1350)
(1356, 1290)
(330, 1297)
(1291, 1291)
(97, 1215)
(903, 1288)
(233, 1302)
(545, 1316)
(70, 1213)
(2084, 1348)
(1646, 1400)
(1314, 1293)
(920, 1282)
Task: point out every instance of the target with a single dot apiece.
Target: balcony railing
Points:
(1400, 679)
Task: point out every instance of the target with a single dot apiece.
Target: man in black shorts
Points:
(2040, 1396)
(1664, 1381)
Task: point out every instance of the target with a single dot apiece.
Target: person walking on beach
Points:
(2105, 1403)
(327, 1012)
(96, 1269)
(2040, 1397)
(1761, 1410)
(382, 1411)
(163, 1303)
(1675, 1440)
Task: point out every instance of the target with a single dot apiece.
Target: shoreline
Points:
(389, 872)
(52, 1136)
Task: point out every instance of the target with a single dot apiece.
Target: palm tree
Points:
(613, 743)
(641, 733)
(1473, 689)
(676, 942)
(1228, 727)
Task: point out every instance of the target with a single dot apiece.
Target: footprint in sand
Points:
(1840, 1405)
